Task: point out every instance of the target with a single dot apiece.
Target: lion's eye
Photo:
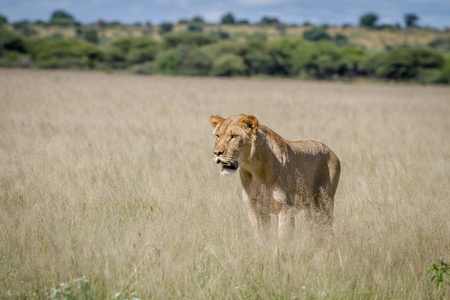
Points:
(233, 136)
(217, 136)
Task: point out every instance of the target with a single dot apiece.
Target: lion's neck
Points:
(260, 162)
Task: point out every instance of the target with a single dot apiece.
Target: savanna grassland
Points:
(108, 189)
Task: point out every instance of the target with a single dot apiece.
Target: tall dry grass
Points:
(108, 189)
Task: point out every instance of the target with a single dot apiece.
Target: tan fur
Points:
(277, 176)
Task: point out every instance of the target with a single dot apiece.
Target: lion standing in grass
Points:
(278, 176)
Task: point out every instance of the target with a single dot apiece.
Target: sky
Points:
(434, 13)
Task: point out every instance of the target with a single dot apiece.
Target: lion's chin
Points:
(227, 171)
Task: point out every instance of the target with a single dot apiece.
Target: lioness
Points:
(278, 176)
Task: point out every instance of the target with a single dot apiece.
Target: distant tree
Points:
(242, 22)
(195, 27)
(23, 27)
(307, 24)
(368, 20)
(228, 18)
(101, 23)
(62, 18)
(182, 22)
(3, 20)
(340, 39)
(165, 27)
(316, 34)
(147, 28)
(198, 19)
(281, 28)
(91, 35)
(114, 23)
(269, 20)
(411, 20)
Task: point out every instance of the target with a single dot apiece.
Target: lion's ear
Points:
(215, 120)
(250, 123)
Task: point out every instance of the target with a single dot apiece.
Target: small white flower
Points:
(324, 294)
(116, 295)
(303, 287)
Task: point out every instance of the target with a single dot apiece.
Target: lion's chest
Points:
(264, 197)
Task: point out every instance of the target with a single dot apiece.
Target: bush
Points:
(184, 61)
(319, 60)
(316, 34)
(66, 54)
(403, 63)
(442, 76)
(195, 27)
(62, 18)
(281, 52)
(165, 28)
(128, 51)
(11, 41)
(340, 40)
(228, 65)
(174, 40)
(24, 27)
(354, 59)
(169, 62)
(91, 35)
(3, 20)
(14, 59)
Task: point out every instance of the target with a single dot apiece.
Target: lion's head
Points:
(235, 139)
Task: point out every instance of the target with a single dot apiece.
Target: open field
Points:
(108, 189)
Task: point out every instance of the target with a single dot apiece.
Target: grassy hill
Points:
(370, 39)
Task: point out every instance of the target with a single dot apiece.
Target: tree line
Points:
(316, 55)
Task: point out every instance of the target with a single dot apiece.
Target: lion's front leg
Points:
(286, 223)
(260, 221)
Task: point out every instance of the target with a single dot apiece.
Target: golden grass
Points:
(111, 177)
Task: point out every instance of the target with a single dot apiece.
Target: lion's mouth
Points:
(228, 166)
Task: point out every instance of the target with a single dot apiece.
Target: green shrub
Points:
(403, 63)
(165, 28)
(66, 54)
(168, 62)
(281, 52)
(3, 20)
(62, 18)
(176, 39)
(442, 76)
(128, 51)
(316, 34)
(184, 61)
(354, 59)
(11, 41)
(91, 35)
(340, 40)
(319, 60)
(256, 57)
(228, 65)
(13, 59)
(195, 27)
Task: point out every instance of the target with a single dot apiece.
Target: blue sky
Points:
(434, 13)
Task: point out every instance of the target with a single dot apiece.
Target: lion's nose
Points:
(218, 153)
